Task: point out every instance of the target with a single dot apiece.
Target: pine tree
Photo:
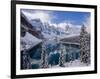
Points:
(84, 46)
(44, 58)
(62, 56)
(26, 64)
(70, 54)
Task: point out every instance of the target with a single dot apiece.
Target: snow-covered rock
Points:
(29, 41)
(37, 24)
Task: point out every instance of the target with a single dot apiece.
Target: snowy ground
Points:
(75, 63)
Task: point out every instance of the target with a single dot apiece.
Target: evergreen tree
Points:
(84, 46)
(44, 58)
(62, 56)
(25, 61)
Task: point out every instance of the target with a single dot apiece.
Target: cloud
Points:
(67, 24)
(62, 25)
(44, 16)
(53, 24)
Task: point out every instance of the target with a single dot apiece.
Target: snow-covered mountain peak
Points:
(50, 30)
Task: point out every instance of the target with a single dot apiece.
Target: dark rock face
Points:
(30, 28)
(23, 32)
(74, 39)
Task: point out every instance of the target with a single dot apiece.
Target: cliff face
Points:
(30, 37)
(26, 25)
(74, 39)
